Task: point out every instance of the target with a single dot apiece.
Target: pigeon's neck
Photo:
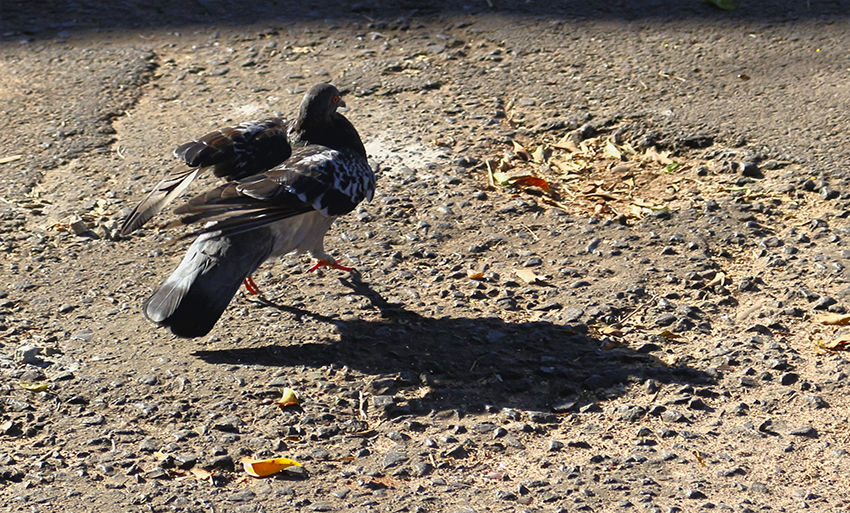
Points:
(335, 132)
(307, 124)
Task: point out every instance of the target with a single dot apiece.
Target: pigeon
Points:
(250, 148)
(276, 210)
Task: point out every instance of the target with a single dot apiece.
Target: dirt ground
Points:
(604, 270)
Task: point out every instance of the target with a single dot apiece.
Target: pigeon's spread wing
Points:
(234, 152)
(314, 178)
(165, 191)
(239, 151)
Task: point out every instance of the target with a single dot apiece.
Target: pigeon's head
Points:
(321, 102)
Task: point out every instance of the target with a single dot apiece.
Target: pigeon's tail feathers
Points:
(161, 195)
(196, 294)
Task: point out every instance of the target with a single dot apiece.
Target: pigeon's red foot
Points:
(251, 286)
(333, 265)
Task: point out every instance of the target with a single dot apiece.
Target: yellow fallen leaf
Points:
(201, 474)
(33, 387)
(529, 276)
(265, 468)
(841, 342)
(611, 149)
(288, 399)
(640, 212)
(539, 155)
(833, 319)
(567, 143)
(628, 148)
(474, 275)
(502, 179)
(567, 167)
(719, 279)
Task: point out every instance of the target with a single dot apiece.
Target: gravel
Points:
(666, 361)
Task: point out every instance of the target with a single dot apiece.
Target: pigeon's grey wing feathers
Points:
(232, 153)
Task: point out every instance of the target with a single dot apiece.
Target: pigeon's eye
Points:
(335, 100)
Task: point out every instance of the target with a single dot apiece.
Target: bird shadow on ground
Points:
(470, 363)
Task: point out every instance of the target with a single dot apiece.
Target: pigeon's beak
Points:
(340, 103)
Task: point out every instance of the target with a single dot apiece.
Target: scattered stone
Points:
(246, 495)
(806, 431)
(673, 416)
(815, 402)
(823, 303)
(85, 335)
(27, 354)
(422, 468)
(758, 487)
(695, 494)
(393, 459)
(229, 424)
(62, 376)
(147, 379)
(10, 428)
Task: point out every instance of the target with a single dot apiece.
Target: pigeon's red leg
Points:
(333, 265)
(251, 286)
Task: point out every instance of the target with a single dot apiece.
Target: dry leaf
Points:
(610, 330)
(520, 151)
(550, 201)
(662, 158)
(539, 155)
(33, 387)
(833, 319)
(650, 206)
(566, 167)
(529, 276)
(841, 342)
(265, 468)
(201, 474)
(288, 399)
(628, 148)
(502, 179)
(530, 181)
(567, 143)
(611, 149)
(719, 279)
(669, 335)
